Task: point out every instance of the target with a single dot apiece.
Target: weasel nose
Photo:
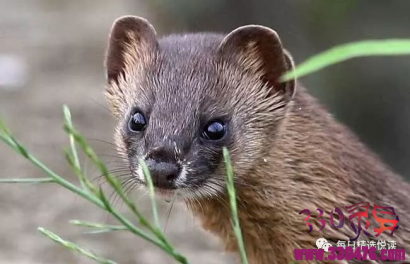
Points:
(163, 174)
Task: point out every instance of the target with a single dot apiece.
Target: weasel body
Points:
(181, 98)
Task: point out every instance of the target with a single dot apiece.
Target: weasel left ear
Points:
(132, 41)
(259, 50)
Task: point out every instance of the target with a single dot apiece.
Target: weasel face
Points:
(178, 124)
(180, 100)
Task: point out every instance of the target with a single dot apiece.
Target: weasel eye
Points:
(137, 122)
(214, 130)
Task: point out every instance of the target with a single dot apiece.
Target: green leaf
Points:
(386, 47)
(71, 246)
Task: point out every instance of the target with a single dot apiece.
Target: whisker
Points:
(113, 156)
(119, 162)
(169, 211)
(102, 141)
(128, 185)
(117, 170)
(132, 188)
(102, 177)
(100, 105)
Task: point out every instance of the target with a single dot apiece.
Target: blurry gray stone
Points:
(13, 72)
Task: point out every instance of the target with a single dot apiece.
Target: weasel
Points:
(181, 98)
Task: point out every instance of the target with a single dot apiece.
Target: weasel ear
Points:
(259, 50)
(132, 41)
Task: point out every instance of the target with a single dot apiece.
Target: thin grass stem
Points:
(28, 180)
(234, 207)
(71, 246)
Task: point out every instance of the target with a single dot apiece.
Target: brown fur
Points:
(312, 163)
(288, 152)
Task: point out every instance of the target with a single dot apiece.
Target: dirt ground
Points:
(60, 46)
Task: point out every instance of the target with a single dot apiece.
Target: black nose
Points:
(163, 174)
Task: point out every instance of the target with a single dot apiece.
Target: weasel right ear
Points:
(132, 42)
(258, 49)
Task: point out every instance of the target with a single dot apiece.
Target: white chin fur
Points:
(186, 194)
(140, 174)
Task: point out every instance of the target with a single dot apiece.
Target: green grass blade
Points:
(73, 157)
(101, 231)
(67, 118)
(96, 225)
(116, 185)
(97, 197)
(128, 224)
(86, 184)
(27, 180)
(7, 138)
(3, 128)
(158, 231)
(91, 154)
(101, 228)
(386, 47)
(234, 207)
(71, 246)
(148, 180)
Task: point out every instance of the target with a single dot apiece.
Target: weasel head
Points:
(180, 99)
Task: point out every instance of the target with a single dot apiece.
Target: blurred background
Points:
(52, 51)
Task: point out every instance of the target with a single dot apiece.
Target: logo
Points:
(322, 243)
(355, 212)
(364, 251)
